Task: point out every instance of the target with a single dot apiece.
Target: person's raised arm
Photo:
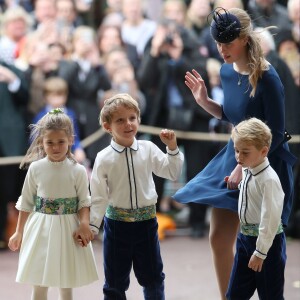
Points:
(197, 86)
(168, 137)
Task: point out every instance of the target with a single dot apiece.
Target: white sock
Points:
(65, 294)
(39, 293)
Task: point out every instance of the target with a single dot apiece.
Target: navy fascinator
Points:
(225, 27)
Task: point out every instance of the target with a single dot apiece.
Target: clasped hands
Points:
(83, 235)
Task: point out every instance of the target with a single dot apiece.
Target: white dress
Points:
(49, 256)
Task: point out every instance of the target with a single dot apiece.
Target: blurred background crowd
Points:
(77, 53)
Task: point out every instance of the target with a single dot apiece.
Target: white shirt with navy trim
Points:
(260, 202)
(122, 176)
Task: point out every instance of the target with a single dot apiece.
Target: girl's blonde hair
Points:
(56, 119)
(112, 104)
(256, 60)
(254, 132)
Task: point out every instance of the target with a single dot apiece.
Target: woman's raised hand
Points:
(197, 86)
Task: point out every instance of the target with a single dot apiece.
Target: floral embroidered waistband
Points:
(253, 229)
(131, 215)
(58, 206)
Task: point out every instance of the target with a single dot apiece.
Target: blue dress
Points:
(208, 187)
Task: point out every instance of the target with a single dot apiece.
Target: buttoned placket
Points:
(244, 202)
(131, 178)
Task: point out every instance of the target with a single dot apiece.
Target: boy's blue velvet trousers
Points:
(269, 282)
(128, 245)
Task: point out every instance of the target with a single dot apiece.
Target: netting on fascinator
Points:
(225, 27)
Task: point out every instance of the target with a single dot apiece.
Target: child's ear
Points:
(265, 150)
(106, 126)
(71, 141)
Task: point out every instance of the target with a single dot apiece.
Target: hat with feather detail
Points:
(225, 27)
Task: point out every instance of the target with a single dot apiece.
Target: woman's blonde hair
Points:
(56, 119)
(256, 60)
(112, 104)
(254, 132)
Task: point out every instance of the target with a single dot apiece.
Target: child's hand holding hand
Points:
(168, 137)
(83, 235)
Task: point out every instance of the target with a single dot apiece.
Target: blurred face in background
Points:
(16, 29)
(228, 4)
(110, 38)
(113, 60)
(132, 11)
(45, 10)
(175, 10)
(114, 5)
(294, 11)
(265, 3)
(56, 99)
(200, 8)
(65, 11)
(83, 41)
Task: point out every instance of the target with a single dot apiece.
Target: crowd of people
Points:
(75, 54)
(127, 46)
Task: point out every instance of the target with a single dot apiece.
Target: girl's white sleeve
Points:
(29, 191)
(82, 187)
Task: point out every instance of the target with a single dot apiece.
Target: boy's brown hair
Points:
(55, 85)
(111, 105)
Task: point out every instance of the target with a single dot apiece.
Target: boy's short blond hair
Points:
(55, 85)
(112, 104)
(252, 131)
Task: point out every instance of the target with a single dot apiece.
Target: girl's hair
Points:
(56, 119)
(112, 104)
(253, 131)
(256, 60)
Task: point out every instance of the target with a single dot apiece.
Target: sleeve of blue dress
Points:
(282, 160)
(272, 92)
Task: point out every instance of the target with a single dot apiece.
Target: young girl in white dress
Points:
(54, 205)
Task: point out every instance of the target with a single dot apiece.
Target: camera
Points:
(169, 39)
(171, 27)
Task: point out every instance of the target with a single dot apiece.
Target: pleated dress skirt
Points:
(49, 255)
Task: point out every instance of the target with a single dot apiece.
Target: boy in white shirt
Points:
(260, 247)
(123, 192)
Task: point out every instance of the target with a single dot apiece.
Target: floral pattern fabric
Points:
(253, 229)
(131, 215)
(59, 206)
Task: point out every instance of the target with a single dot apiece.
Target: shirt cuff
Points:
(173, 152)
(94, 229)
(260, 254)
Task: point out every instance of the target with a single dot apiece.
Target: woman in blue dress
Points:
(252, 88)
